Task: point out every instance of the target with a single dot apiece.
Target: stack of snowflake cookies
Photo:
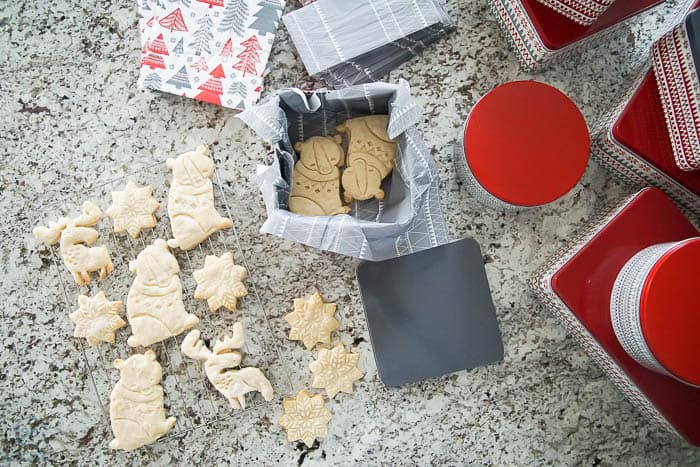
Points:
(155, 309)
(305, 416)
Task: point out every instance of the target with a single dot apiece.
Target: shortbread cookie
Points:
(335, 370)
(370, 158)
(316, 178)
(133, 209)
(136, 404)
(305, 417)
(312, 321)
(221, 366)
(193, 217)
(76, 236)
(97, 319)
(154, 305)
(219, 282)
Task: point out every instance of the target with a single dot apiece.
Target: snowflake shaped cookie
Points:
(219, 282)
(133, 209)
(97, 319)
(305, 417)
(335, 370)
(312, 321)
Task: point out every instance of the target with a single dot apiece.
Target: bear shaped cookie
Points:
(154, 305)
(136, 404)
(193, 217)
(316, 178)
(370, 158)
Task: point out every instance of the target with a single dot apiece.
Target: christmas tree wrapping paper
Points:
(210, 50)
(360, 41)
(408, 219)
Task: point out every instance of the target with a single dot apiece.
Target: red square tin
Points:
(583, 12)
(577, 283)
(540, 34)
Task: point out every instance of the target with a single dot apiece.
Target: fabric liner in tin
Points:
(675, 62)
(408, 219)
(583, 12)
(347, 43)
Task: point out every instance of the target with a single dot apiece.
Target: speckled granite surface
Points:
(71, 118)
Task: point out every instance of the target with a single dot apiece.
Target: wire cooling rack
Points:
(188, 394)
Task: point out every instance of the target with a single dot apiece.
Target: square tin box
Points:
(576, 285)
(540, 34)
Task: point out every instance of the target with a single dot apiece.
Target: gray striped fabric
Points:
(349, 42)
(408, 219)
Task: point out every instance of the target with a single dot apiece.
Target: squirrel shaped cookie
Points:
(76, 236)
(316, 178)
(193, 217)
(371, 156)
(154, 306)
(136, 407)
(221, 363)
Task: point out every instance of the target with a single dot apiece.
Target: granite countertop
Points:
(71, 119)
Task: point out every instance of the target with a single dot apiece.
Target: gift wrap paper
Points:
(408, 219)
(211, 50)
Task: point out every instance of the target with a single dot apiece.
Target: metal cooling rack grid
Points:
(188, 394)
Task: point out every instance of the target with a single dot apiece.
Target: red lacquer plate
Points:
(577, 285)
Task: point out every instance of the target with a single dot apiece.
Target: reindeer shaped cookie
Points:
(193, 216)
(371, 156)
(316, 178)
(136, 403)
(76, 236)
(154, 305)
(219, 366)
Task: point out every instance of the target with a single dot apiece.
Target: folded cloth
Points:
(353, 42)
(408, 219)
(583, 12)
(676, 64)
(211, 50)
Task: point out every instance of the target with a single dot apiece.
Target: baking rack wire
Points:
(99, 360)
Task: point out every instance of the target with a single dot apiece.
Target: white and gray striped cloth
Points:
(359, 41)
(408, 219)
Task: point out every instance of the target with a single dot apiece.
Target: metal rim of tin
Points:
(625, 301)
(475, 189)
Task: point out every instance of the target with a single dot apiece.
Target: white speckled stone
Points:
(71, 117)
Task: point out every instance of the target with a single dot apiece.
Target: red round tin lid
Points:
(526, 143)
(669, 311)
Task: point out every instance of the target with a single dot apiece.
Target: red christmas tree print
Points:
(212, 89)
(213, 2)
(174, 21)
(249, 58)
(201, 65)
(155, 49)
(149, 23)
(227, 50)
(145, 48)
